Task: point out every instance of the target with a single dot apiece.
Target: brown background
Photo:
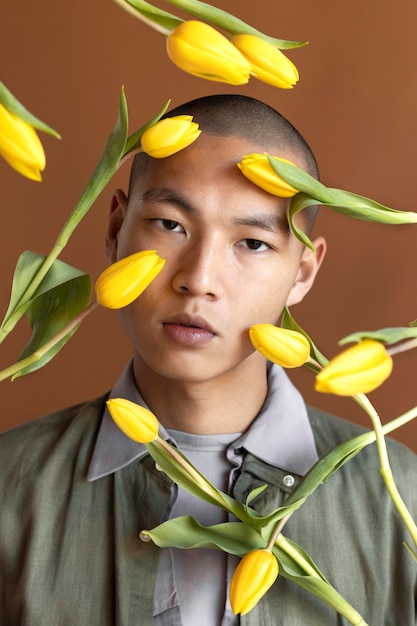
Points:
(355, 104)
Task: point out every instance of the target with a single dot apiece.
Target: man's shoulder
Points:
(30, 444)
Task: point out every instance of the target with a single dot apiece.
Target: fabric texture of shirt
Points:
(70, 551)
(276, 436)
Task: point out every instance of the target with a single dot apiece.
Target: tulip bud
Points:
(257, 169)
(201, 50)
(20, 146)
(359, 369)
(134, 420)
(254, 575)
(169, 136)
(282, 346)
(267, 62)
(121, 283)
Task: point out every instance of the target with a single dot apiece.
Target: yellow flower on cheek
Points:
(282, 346)
(122, 282)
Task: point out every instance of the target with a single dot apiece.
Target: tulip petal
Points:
(122, 282)
(268, 63)
(169, 136)
(257, 169)
(359, 369)
(201, 50)
(134, 420)
(287, 348)
(254, 575)
(20, 145)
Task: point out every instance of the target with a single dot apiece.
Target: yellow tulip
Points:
(201, 50)
(134, 420)
(122, 282)
(282, 346)
(254, 575)
(169, 136)
(258, 170)
(20, 146)
(267, 62)
(359, 369)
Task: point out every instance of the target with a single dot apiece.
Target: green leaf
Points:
(229, 23)
(342, 201)
(32, 276)
(160, 20)
(289, 322)
(385, 335)
(27, 267)
(199, 486)
(14, 106)
(52, 310)
(254, 494)
(107, 166)
(186, 533)
(238, 539)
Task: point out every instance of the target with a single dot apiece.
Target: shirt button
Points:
(288, 480)
(144, 537)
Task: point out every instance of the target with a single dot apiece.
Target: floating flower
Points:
(169, 136)
(201, 50)
(122, 282)
(20, 145)
(257, 169)
(282, 346)
(359, 369)
(134, 420)
(267, 62)
(254, 575)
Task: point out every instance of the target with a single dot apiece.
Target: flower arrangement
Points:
(198, 47)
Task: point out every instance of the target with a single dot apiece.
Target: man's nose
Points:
(201, 269)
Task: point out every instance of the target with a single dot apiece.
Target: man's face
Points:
(231, 261)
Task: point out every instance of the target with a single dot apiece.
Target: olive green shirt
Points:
(70, 552)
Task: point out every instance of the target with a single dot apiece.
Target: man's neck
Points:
(227, 404)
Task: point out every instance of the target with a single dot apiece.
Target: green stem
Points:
(385, 468)
(282, 543)
(36, 356)
(199, 480)
(402, 347)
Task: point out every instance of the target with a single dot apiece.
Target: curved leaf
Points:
(14, 106)
(51, 312)
(230, 23)
(385, 335)
(342, 201)
(289, 322)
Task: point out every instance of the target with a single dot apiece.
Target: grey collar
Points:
(281, 434)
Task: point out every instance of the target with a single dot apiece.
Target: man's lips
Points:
(188, 330)
(190, 321)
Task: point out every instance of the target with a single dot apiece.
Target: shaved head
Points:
(229, 115)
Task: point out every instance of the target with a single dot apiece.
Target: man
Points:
(76, 492)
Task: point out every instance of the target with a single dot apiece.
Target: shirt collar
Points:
(281, 435)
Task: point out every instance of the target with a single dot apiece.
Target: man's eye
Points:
(169, 224)
(254, 244)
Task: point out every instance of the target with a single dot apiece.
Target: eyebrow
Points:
(164, 194)
(270, 222)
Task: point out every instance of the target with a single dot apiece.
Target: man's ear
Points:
(117, 213)
(309, 266)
